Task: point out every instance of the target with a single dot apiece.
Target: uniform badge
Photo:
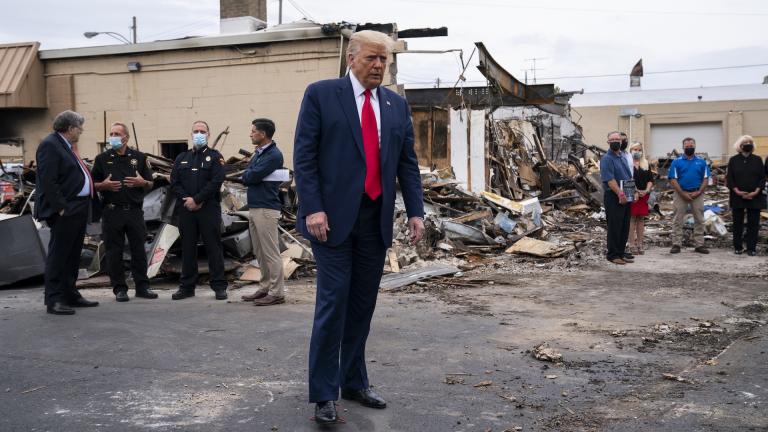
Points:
(134, 162)
(207, 158)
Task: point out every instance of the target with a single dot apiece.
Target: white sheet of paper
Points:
(280, 175)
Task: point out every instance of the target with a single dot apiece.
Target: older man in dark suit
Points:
(63, 199)
(354, 139)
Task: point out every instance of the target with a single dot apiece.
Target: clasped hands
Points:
(745, 195)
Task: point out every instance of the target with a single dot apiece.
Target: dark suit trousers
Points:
(64, 247)
(753, 226)
(116, 225)
(348, 277)
(205, 223)
(617, 216)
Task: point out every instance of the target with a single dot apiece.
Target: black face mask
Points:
(747, 148)
(615, 145)
(624, 144)
(689, 151)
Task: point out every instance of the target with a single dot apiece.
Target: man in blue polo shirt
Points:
(689, 175)
(614, 169)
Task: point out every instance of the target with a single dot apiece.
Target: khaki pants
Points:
(266, 248)
(697, 208)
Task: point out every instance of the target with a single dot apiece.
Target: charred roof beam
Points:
(503, 80)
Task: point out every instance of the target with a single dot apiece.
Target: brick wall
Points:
(239, 8)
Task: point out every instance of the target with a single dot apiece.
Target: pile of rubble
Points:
(534, 207)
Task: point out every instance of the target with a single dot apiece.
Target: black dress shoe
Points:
(627, 256)
(738, 251)
(146, 293)
(82, 302)
(122, 296)
(366, 397)
(751, 253)
(221, 294)
(60, 309)
(325, 412)
(182, 294)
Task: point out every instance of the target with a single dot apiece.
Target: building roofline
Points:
(263, 36)
(740, 92)
(704, 88)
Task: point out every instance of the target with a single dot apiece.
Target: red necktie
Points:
(85, 168)
(371, 146)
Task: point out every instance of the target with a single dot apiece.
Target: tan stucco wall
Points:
(738, 118)
(219, 85)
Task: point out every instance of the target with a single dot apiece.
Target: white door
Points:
(708, 136)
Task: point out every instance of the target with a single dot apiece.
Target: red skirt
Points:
(640, 207)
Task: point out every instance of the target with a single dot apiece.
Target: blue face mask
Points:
(199, 140)
(115, 142)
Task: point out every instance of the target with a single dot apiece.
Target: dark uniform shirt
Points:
(747, 174)
(133, 163)
(198, 174)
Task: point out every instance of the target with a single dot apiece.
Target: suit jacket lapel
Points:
(68, 150)
(386, 119)
(349, 106)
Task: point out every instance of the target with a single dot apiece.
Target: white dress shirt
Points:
(86, 190)
(359, 91)
(630, 162)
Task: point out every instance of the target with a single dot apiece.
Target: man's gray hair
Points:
(611, 133)
(67, 119)
(369, 37)
(122, 125)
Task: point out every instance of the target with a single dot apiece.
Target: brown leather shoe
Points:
(255, 296)
(618, 261)
(268, 300)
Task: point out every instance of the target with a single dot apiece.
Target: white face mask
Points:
(199, 139)
(115, 142)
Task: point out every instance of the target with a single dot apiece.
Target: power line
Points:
(179, 28)
(658, 72)
(592, 10)
(301, 10)
(421, 80)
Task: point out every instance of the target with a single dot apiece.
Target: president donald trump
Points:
(354, 139)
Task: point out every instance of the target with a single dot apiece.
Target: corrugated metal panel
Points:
(15, 61)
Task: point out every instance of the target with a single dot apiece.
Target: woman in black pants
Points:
(746, 180)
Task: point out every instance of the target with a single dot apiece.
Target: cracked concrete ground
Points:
(447, 358)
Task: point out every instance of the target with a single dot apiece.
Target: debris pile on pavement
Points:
(544, 353)
(533, 210)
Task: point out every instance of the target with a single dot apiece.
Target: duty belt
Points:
(123, 206)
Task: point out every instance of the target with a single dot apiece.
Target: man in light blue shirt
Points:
(689, 176)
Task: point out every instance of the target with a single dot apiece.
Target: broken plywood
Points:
(253, 273)
(527, 245)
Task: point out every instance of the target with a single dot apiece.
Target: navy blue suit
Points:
(59, 180)
(329, 164)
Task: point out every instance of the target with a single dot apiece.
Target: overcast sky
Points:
(571, 40)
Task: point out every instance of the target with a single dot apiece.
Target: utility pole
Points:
(534, 68)
(280, 15)
(133, 29)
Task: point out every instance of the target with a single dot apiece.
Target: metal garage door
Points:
(708, 136)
